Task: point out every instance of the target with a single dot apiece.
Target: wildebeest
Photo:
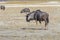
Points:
(2, 7)
(25, 10)
(38, 16)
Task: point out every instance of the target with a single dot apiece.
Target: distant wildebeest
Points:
(2, 7)
(25, 10)
(38, 16)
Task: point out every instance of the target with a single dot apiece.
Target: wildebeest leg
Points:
(36, 19)
(36, 22)
(46, 24)
(39, 21)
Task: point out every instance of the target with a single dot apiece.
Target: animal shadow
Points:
(33, 29)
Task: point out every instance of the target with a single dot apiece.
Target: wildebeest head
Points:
(25, 10)
(2, 7)
(30, 16)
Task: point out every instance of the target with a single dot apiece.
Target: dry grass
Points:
(11, 19)
(14, 16)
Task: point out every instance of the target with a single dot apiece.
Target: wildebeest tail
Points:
(47, 19)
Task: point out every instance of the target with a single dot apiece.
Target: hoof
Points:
(45, 29)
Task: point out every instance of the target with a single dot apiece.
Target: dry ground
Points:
(12, 22)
